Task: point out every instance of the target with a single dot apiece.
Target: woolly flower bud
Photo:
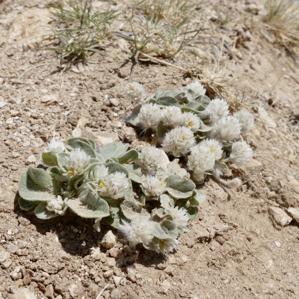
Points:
(241, 153)
(56, 146)
(153, 186)
(213, 147)
(191, 121)
(227, 129)
(216, 109)
(246, 120)
(178, 141)
(138, 231)
(196, 89)
(150, 115)
(179, 217)
(56, 205)
(172, 116)
(78, 159)
(151, 159)
(114, 185)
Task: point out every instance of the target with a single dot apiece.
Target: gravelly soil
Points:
(233, 250)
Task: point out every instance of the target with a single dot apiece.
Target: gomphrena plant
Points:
(199, 131)
(81, 29)
(143, 194)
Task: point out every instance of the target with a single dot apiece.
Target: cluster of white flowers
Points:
(195, 89)
(153, 186)
(226, 129)
(191, 121)
(246, 120)
(56, 205)
(241, 153)
(172, 116)
(56, 146)
(138, 231)
(100, 172)
(114, 185)
(152, 159)
(150, 115)
(178, 141)
(174, 168)
(216, 109)
(203, 158)
(78, 159)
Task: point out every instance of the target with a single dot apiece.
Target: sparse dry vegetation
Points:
(81, 29)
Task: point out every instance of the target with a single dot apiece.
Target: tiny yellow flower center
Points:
(71, 171)
(189, 124)
(101, 184)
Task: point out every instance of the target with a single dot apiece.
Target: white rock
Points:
(294, 213)
(31, 159)
(2, 104)
(279, 216)
(109, 240)
(23, 294)
(4, 255)
(107, 138)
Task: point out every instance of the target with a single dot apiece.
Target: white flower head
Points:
(78, 159)
(201, 159)
(138, 231)
(226, 129)
(56, 146)
(216, 109)
(178, 141)
(246, 120)
(213, 147)
(195, 89)
(114, 185)
(153, 186)
(174, 168)
(172, 116)
(179, 217)
(191, 121)
(150, 115)
(151, 159)
(100, 172)
(56, 205)
(241, 153)
(167, 245)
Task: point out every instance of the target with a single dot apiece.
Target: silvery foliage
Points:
(200, 132)
(148, 198)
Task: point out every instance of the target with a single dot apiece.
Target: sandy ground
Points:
(234, 249)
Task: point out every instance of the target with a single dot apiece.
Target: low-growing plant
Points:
(81, 29)
(129, 190)
(282, 21)
(199, 131)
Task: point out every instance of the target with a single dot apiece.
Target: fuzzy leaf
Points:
(128, 157)
(29, 191)
(42, 213)
(130, 208)
(40, 177)
(49, 159)
(116, 167)
(178, 194)
(180, 184)
(25, 205)
(86, 145)
(112, 150)
(166, 101)
(166, 201)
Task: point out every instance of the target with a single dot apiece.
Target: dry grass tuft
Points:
(282, 22)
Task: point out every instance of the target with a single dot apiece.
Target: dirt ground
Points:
(234, 249)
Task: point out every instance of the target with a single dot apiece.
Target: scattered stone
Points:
(16, 273)
(6, 264)
(114, 252)
(23, 294)
(49, 291)
(111, 262)
(294, 213)
(114, 102)
(220, 240)
(109, 240)
(131, 274)
(4, 255)
(108, 273)
(107, 138)
(115, 294)
(117, 280)
(279, 216)
(31, 159)
(2, 104)
(76, 290)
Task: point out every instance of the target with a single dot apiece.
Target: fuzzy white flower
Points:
(216, 109)
(150, 115)
(138, 231)
(100, 172)
(246, 120)
(114, 185)
(78, 159)
(213, 146)
(179, 216)
(195, 89)
(226, 129)
(153, 186)
(167, 245)
(172, 116)
(190, 120)
(178, 141)
(151, 159)
(241, 153)
(174, 168)
(56, 146)
(56, 205)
